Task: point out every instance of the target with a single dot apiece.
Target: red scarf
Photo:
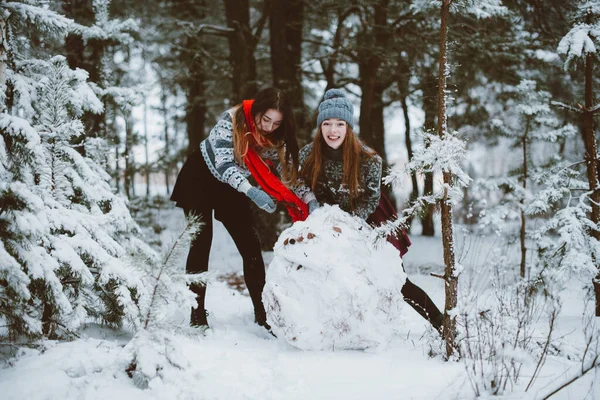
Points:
(267, 180)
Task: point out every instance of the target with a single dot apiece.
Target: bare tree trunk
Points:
(129, 159)
(450, 273)
(146, 149)
(117, 142)
(195, 116)
(522, 201)
(370, 82)
(166, 155)
(242, 44)
(429, 88)
(591, 162)
(4, 45)
(286, 21)
(413, 175)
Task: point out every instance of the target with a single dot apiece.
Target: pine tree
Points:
(527, 122)
(580, 46)
(67, 242)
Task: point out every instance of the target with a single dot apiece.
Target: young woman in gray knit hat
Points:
(337, 168)
(245, 140)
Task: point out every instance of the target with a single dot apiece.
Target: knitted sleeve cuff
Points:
(244, 187)
(308, 197)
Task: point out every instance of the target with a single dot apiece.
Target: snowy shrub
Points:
(154, 349)
(498, 332)
(566, 247)
(167, 283)
(153, 355)
(329, 287)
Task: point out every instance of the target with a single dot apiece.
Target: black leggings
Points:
(198, 192)
(422, 303)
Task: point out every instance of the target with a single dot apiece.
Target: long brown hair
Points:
(354, 154)
(283, 138)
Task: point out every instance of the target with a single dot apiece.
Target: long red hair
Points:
(354, 154)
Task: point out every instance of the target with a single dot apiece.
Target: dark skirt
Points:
(197, 188)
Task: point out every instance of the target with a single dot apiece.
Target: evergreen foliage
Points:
(67, 241)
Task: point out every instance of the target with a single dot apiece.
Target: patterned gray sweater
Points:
(329, 188)
(217, 150)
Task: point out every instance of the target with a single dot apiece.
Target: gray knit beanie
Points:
(336, 105)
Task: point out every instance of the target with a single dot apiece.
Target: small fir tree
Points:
(528, 122)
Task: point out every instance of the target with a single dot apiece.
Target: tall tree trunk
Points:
(128, 155)
(450, 273)
(195, 117)
(4, 46)
(414, 194)
(428, 87)
(591, 162)
(371, 108)
(522, 201)
(371, 103)
(241, 50)
(167, 153)
(146, 149)
(117, 143)
(286, 21)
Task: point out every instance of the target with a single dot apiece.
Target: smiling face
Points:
(334, 132)
(269, 121)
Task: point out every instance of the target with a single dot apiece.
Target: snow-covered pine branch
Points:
(582, 39)
(557, 183)
(481, 8)
(443, 154)
(565, 106)
(167, 283)
(575, 251)
(105, 28)
(37, 17)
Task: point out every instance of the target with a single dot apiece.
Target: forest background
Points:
(484, 112)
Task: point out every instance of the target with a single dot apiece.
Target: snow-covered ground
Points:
(237, 359)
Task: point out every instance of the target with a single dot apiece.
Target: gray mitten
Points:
(261, 199)
(312, 206)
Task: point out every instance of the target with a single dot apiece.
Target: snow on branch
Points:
(165, 281)
(574, 252)
(113, 30)
(481, 9)
(558, 183)
(123, 96)
(16, 126)
(40, 18)
(565, 106)
(392, 227)
(578, 43)
(595, 108)
(443, 154)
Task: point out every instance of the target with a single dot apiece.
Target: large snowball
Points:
(329, 287)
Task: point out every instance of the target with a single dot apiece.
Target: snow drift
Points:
(329, 287)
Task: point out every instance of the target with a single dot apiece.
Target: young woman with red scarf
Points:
(248, 140)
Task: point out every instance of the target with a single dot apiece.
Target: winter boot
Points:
(198, 315)
(260, 317)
